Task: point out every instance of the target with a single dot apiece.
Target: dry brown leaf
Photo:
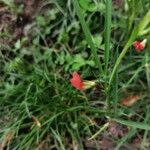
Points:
(117, 130)
(117, 3)
(130, 100)
(30, 8)
(107, 144)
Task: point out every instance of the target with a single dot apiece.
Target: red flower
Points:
(76, 81)
(139, 46)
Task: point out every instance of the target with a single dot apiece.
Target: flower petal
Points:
(76, 81)
(130, 100)
(139, 46)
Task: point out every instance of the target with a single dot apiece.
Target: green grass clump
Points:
(38, 53)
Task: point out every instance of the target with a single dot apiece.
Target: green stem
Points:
(108, 15)
(124, 51)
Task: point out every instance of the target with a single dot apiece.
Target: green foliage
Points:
(92, 6)
(39, 106)
(88, 5)
(73, 63)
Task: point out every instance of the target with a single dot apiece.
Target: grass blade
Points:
(107, 32)
(133, 124)
(125, 138)
(87, 34)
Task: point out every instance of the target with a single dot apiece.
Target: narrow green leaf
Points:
(144, 22)
(125, 138)
(107, 32)
(133, 124)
